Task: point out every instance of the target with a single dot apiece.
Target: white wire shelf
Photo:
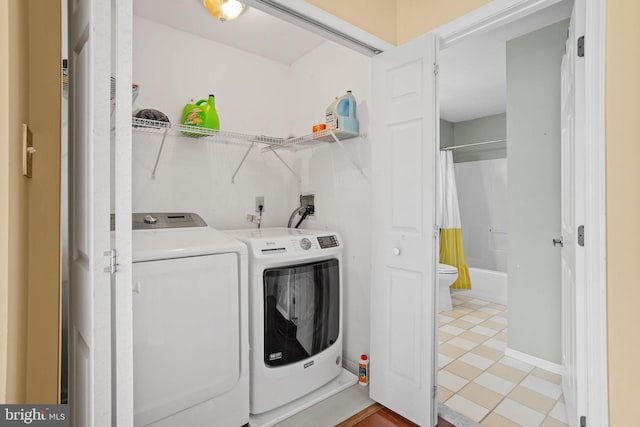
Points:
(172, 129)
(273, 144)
(294, 144)
(316, 138)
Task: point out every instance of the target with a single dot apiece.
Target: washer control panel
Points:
(309, 243)
(313, 243)
(276, 242)
(328, 241)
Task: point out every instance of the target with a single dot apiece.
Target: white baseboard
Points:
(350, 365)
(535, 361)
(484, 296)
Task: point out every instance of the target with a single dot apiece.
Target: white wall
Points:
(342, 194)
(171, 67)
(482, 194)
(256, 95)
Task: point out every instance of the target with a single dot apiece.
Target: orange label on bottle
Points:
(362, 373)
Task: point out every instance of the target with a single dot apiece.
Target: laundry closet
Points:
(259, 97)
(373, 193)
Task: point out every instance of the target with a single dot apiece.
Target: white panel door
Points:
(572, 214)
(404, 151)
(89, 225)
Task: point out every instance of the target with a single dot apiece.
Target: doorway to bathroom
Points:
(500, 342)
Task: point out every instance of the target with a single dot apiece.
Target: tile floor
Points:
(477, 380)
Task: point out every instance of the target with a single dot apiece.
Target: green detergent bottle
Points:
(201, 114)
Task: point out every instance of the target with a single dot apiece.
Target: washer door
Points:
(186, 326)
(302, 311)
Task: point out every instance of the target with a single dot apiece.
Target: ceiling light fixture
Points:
(224, 10)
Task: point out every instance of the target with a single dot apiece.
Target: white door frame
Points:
(501, 12)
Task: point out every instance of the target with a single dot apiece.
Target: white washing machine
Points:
(295, 300)
(190, 324)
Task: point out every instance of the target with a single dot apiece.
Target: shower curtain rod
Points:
(453, 147)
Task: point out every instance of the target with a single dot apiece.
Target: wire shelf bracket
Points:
(233, 177)
(155, 166)
(355, 165)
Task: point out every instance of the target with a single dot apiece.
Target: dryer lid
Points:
(169, 243)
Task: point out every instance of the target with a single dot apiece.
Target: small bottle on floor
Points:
(363, 370)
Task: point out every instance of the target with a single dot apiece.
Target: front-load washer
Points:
(295, 300)
(190, 323)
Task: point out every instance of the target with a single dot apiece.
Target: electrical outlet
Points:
(259, 202)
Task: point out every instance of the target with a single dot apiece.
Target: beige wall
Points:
(398, 21)
(375, 16)
(623, 206)
(43, 351)
(4, 191)
(415, 17)
(13, 196)
(29, 208)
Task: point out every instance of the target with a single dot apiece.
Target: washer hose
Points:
(302, 211)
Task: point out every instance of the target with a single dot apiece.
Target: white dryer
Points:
(190, 324)
(295, 294)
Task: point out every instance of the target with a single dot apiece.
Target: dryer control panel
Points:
(157, 220)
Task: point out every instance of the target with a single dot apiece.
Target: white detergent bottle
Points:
(331, 115)
(347, 119)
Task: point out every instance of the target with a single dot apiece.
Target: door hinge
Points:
(581, 235)
(583, 421)
(436, 69)
(434, 392)
(113, 264)
(581, 46)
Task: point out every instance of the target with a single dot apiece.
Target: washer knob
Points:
(305, 244)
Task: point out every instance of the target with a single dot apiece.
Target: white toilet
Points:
(447, 274)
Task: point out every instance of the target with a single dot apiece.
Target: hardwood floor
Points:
(377, 415)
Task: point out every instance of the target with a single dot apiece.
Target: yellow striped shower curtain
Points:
(451, 245)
